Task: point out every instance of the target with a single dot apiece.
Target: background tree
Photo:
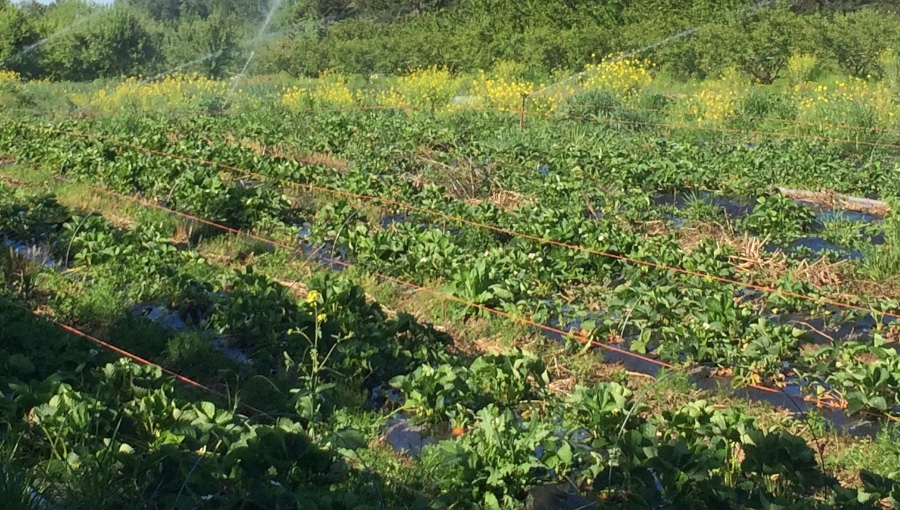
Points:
(17, 34)
(388, 36)
(217, 36)
(118, 43)
(758, 42)
(856, 39)
(160, 10)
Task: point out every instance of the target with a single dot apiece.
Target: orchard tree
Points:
(17, 37)
(856, 39)
(758, 42)
(118, 43)
(216, 37)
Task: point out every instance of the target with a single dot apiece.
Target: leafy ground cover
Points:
(678, 317)
(322, 377)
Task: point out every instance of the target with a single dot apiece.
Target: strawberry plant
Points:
(778, 218)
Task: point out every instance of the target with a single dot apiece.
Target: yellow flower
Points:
(321, 318)
(330, 90)
(715, 101)
(624, 77)
(434, 87)
(312, 297)
(854, 98)
(175, 91)
(9, 76)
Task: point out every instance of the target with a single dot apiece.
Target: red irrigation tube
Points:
(542, 240)
(134, 357)
(522, 320)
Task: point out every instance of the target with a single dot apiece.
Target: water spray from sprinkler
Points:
(259, 35)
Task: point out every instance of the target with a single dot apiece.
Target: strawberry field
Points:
(418, 308)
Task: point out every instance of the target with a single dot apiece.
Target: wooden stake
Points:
(522, 113)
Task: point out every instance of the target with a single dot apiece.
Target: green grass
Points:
(882, 262)
(880, 455)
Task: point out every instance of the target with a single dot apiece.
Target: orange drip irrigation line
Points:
(134, 357)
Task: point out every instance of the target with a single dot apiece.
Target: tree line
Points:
(79, 41)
